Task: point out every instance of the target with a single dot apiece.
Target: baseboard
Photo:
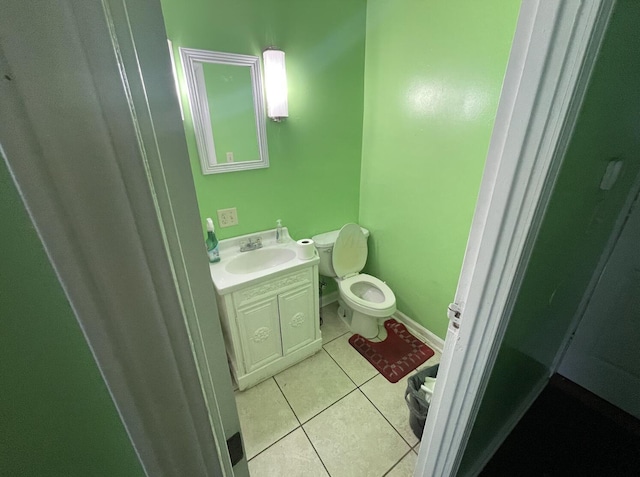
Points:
(506, 429)
(328, 298)
(420, 331)
(417, 329)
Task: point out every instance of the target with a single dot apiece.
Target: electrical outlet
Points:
(228, 217)
(229, 156)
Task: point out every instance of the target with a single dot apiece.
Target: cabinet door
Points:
(298, 320)
(260, 333)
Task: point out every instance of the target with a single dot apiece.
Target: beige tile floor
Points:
(331, 415)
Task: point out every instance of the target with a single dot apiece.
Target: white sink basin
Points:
(237, 270)
(261, 259)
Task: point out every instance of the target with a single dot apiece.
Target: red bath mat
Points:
(396, 356)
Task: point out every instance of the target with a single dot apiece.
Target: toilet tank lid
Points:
(327, 239)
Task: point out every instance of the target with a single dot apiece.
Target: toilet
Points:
(363, 298)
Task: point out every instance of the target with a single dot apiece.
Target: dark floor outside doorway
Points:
(569, 431)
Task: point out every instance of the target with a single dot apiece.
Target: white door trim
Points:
(100, 160)
(139, 38)
(551, 60)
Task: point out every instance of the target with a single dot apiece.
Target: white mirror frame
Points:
(191, 64)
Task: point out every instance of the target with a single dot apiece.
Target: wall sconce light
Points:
(275, 78)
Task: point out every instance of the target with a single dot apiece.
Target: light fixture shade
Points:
(275, 79)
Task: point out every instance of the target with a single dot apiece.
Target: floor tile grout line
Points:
(357, 388)
(388, 421)
(288, 403)
(396, 464)
(318, 413)
(339, 319)
(333, 403)
(341, 369)
(301, 426)
(371, 378)
(294, 415)
(303, 429)
(325, 408)
(343, 397)
(367, 397)
(315, 450)
(335, 338)
(274, 443)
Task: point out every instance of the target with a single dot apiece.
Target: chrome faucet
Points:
(251, 244)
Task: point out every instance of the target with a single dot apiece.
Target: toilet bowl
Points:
(343, 254)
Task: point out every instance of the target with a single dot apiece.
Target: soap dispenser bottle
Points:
(212, 243)
(279, 237)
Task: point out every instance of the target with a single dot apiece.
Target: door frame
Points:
(139, 39)
(552, 57)
(114, 204)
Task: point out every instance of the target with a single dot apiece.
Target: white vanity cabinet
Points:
(259, 332)
(271, 325)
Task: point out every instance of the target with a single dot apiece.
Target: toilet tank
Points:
(324, 244)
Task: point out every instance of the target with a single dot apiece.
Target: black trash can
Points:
(418, 407)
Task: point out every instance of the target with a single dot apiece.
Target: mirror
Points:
(227, 107)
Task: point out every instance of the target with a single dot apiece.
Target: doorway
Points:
(580, 227)
(158, 116)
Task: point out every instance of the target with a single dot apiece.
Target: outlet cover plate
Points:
(227, 217)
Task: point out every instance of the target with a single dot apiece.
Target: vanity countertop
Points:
(226, 281)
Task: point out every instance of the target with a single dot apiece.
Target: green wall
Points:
(394, 138)
(433, 75)
(312, 183)
(56, 415)
(574, 232)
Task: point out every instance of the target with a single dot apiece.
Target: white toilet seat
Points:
(368, 295)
